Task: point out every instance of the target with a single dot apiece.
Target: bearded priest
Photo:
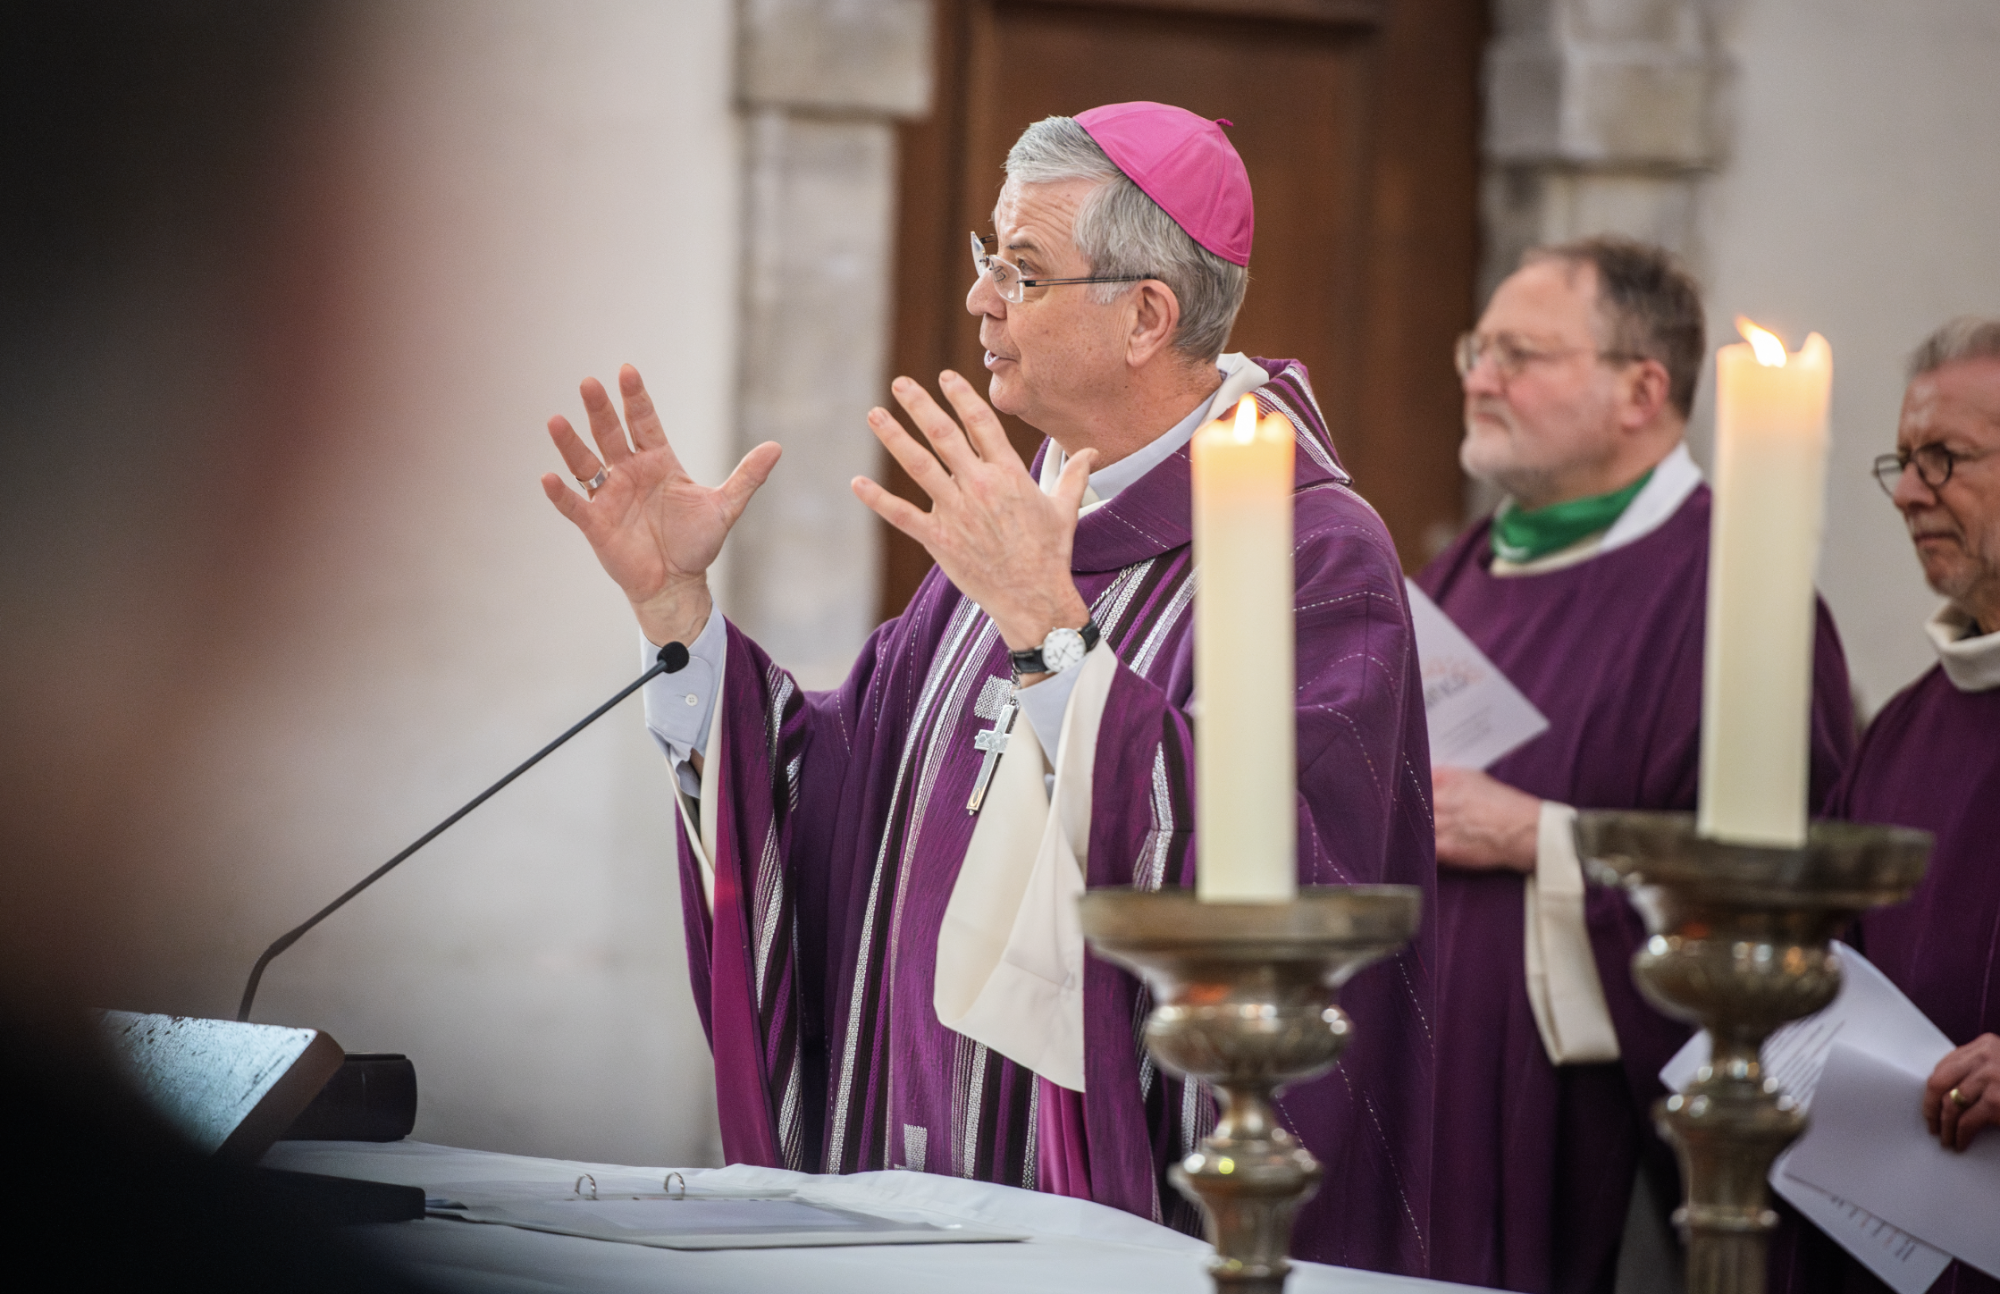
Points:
(880, 881)
(1587, 588)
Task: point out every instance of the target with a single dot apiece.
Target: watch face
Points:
(1061, 650)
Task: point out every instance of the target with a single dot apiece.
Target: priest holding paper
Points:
(1931, 759)
(1587, 590)
(880, 881)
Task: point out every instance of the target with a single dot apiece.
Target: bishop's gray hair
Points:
(1966, 337)
(1122, 231)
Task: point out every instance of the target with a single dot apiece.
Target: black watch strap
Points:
(1031, 662)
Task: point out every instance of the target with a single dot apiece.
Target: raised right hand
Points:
(653, 529)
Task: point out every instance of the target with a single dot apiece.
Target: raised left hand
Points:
(1483, 824)
(1973, 1071)
(990, 529)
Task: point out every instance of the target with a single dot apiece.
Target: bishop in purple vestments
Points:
(1931, 759)
(1587, 589)
(867, 873)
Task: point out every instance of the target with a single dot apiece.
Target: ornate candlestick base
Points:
(1245, 997)
(1739, 947)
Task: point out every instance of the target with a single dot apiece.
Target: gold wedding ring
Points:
(1960, 1099)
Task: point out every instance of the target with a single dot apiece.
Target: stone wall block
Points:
(1611, 105)
(1672, 23)
(1519, 18)
(837, 56)
(1637, 107)
(1524, 100)
(821, 84)
(814, 345)
(1526, 206)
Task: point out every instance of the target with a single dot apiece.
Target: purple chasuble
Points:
(843, 825)
(1931, 759)
(1535, 1162)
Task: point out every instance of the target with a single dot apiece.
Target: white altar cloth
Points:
(1073, 1246)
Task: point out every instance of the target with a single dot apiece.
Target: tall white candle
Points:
(1770, 492)
(1246, 768)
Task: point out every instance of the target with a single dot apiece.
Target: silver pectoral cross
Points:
(994, 742)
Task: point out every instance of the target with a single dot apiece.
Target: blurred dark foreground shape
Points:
(161, 287)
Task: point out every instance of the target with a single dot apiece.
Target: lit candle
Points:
(1246, 773)
(1770, 491)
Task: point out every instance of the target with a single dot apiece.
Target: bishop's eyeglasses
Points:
(1013, 286)
(1934, 463)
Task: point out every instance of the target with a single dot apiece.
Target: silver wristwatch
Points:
(1062, 649)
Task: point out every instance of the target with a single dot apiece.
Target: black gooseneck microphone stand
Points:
(672, 659)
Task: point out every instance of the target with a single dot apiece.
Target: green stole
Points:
(1521, 536)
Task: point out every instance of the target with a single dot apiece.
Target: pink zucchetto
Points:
(1186, 164)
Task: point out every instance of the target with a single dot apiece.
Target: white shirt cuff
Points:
(680, 706)
(1045, 703)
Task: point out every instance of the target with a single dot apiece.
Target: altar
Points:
(1071, 1245)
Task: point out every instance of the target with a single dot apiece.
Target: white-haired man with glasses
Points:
(1931, 759)
(1587, 589)
(880, 882)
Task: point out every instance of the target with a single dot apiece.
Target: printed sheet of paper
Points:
(1475, 715)
(1872, 1013)
(1868, 1144)
(1901, 1261)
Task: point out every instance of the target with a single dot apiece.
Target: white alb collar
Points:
(1674, 478)
(1239, 378)
(1972, 664)
(1661, 497)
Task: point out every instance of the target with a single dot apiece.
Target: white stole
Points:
(1563, 989)
(1010, 953)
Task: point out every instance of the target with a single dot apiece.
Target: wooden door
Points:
(1357, 122)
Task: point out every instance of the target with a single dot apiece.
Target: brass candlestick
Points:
(1245, 1001)
(1739, 947)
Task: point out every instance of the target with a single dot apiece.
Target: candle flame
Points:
(1245, 430)
(1770, 350)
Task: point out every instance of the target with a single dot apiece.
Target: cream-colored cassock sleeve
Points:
(1010, 952)
(1563, 988)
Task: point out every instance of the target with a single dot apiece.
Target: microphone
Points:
(673, 658)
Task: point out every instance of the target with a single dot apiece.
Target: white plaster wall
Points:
(1861, 198)
(537, 192)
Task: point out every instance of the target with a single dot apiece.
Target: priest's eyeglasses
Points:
(1934, 463)
(1013, 286)
(1511, 358)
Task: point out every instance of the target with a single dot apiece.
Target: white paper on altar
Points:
(1474, 714)
(1868, 1143)
(1873, 1014)
(697, 1220)
(1075, 1246)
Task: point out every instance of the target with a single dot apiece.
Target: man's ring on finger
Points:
(1960, 1099)
(595, 483)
